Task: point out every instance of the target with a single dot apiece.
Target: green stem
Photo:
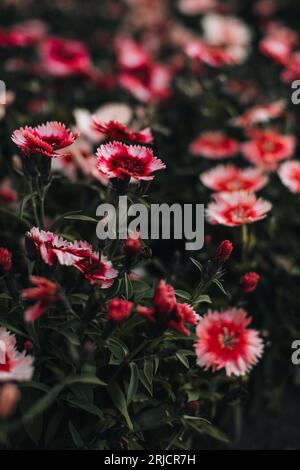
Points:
(34, 205)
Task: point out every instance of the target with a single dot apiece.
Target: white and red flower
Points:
(120, 112)
(278, 44)
(148, 81)
(117, 160)
(45, 293)
(54, 249)
(260, 113)
(44, 139)
(289, 173)
(14, 366)
(292, 70)
(225, 342)
(64, 57)
(233, 178)
(214, 145)
(97, 269)
(195, 7)
(115, 130)
(266, 149)
(229, 33)
(214, 56)
(236, 208)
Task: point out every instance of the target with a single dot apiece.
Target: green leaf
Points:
(119, 400)
(183, 359)
(134, 382)
(149, 370)
(197, 264)
(183, 294)
(220, 285)
(75, 436)
(84, 218)
(86, 406)
(86, 379)
(150, 418)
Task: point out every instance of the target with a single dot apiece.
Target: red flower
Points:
(98, 270)
(268, 148)
(115, 130)
(146, 80)
(249, 282)
(237, 208)
(226, 343)
(167, 311)
(214, 145)
(117, 160)
(64, 57)
(54, 249)
(22, 34)
(213, 56)
(260, 113)
(45, 294)
(132, 246)
(7, 194)
(118, 310)
(5, 260)
(292, 70)
(44, 139)
(278, 43)
(232, 178)
(289, 173)
(148, 85)
(223, 251)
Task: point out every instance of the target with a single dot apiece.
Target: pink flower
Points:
(260, 113)
(148, 85)
(114, 130)
(195, 7)
(117, 160)
(5, 260)
(214, 56)
(229, 33)
(249, 282)
(214, 145)
(232, 178)
(148, 81)
(236, 208)
(130, 55)
(292, 70)
(226, 343)
(7, 194)
(267, 148)
(97, 269)
(45, 293)
(14, 366)
(54, 249)
(289, 173)
(120, 112)
(278, 43)
(80, 158)
(9, 397)
(167, 311)
(118, 310)
(22, 34)
(132, 246)
(64, 57)
(44, 139)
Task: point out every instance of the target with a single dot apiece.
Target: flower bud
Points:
(223, 251)
(9, 397)
(118, 310)
(5, 260)
(249, 282)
